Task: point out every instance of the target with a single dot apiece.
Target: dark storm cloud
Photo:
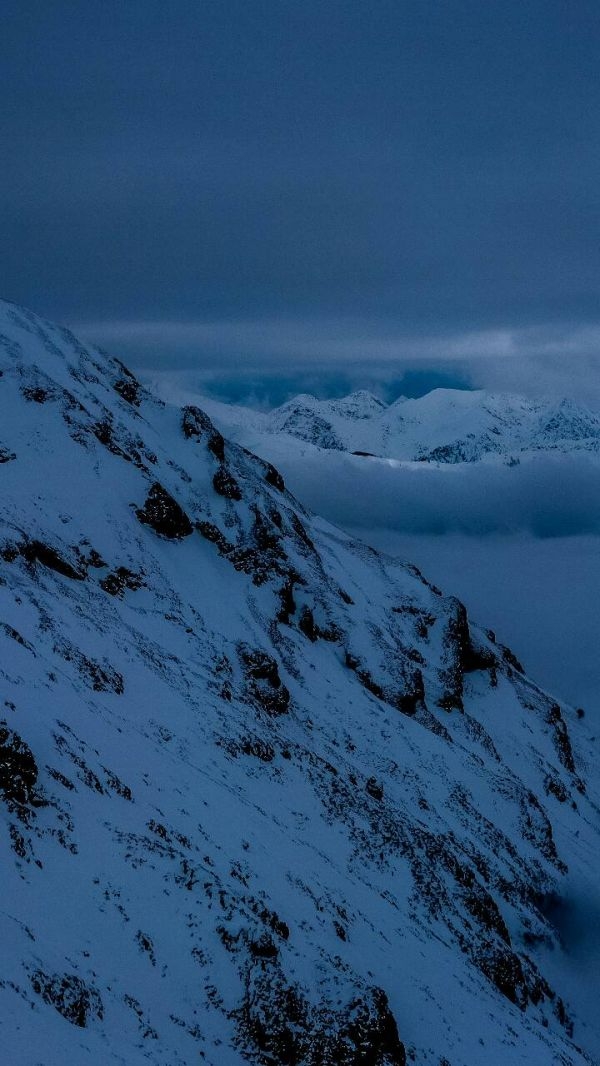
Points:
(429, 168)
(332, 356)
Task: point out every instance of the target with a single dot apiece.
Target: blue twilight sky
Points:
(282, 184)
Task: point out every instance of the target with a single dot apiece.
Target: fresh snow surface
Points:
(266, 795)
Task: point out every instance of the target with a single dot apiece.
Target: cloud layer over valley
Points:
(545, 495)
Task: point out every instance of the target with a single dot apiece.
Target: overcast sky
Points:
(201, 180)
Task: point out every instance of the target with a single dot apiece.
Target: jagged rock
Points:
(278, 1024)
(561, 738)
(314, 631)
(554, 786)
(274, 478)
(225, 484)
(128, 387)
(14, 634)
(18, 769)
(288, 603)
(35, 551)
(164, 515)
(35, 394)
(504, 969)
(77, 1001)
(104, 432)
(374, 788)
(259, 748)
(306, 624)
(484, 908)
(210, 532)
(461, 656)
(264, 684)
(510, 658)
(407, 700)
(263, 948)
(120, 579)
(100, 676)
(197, 425)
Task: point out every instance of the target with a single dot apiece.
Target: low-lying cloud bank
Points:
(546, 495)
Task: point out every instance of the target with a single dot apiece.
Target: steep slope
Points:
(265, 795)
(445, 426)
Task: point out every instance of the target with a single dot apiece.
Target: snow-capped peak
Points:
(444, 426)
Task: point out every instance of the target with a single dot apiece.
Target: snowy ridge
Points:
(265, 795)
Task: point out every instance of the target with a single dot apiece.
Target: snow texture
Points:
(266, 795)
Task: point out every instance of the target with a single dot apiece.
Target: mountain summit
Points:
(266, 796)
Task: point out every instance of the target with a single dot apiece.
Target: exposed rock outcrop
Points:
(164, 515)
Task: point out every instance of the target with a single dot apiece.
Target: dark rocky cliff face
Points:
(265, 796)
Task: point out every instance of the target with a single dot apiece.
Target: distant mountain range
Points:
(445, 426)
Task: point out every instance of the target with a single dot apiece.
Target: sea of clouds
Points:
(545, 495)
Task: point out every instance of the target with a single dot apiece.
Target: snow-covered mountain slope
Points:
(265, 795)
(445, 426)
